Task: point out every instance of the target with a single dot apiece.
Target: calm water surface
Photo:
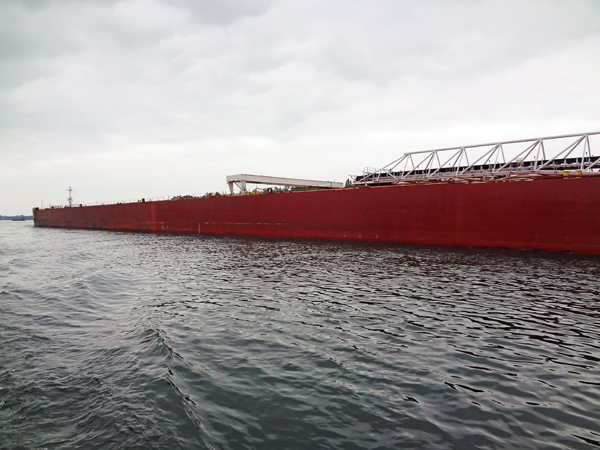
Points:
(126, 340)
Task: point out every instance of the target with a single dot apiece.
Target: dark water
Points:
(124, 340)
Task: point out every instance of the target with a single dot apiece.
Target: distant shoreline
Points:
(16, 217)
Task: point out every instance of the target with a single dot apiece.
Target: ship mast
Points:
(70, 199)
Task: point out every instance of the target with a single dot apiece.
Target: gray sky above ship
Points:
(125, 99)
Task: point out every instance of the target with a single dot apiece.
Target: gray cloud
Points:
(188, 91)
(224, 12)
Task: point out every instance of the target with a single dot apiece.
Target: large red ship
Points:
(528, 201)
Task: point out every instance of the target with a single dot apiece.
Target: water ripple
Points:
(125, 340)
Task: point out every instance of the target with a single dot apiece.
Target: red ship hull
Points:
(547, 214)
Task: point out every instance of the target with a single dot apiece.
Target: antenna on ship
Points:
(70, 197)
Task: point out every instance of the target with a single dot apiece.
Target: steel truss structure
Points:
(573, 158)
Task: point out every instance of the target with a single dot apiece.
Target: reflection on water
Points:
(124, 340)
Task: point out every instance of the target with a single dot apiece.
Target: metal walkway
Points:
(241, 180)
(571, 155)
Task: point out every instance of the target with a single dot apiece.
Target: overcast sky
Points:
(126, 99)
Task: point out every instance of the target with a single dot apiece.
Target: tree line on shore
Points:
(21, 217)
